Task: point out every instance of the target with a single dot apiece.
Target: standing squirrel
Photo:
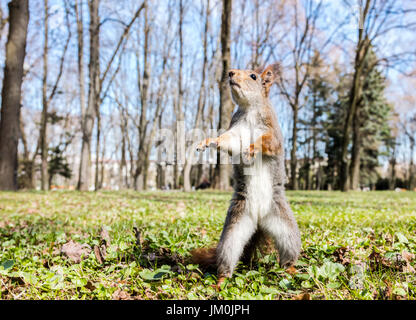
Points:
(258, 208)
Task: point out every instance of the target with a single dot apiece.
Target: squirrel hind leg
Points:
(281, 226)
(236, 234)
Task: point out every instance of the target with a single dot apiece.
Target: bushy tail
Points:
(205, 257)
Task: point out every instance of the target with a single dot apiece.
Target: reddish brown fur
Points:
(214, 141)
(204, 256)
(269, 76)
(267, 144)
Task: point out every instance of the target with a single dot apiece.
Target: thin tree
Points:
(222, 171)
(95, 92)
(47, 98)
(301, 55)
(11, 93)
(200, 102)
(377, 19)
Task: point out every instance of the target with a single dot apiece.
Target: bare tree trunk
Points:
(81, 79)
(143, 85)
(226, 105)
(93, 92)
(97, 150)
(80, 37)
(11, 93)
(356, 155)
(293, 158)
(411, 183)
(123, 162)
(100, 178)
(45, 103)
(46, 99)
(178, 106)
(27, 182)
(200, 104)
(362, 47)
(392, 181)
(161, 167)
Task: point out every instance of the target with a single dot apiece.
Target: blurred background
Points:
(89, 87)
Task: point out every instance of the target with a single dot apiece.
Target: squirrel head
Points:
(248, 87)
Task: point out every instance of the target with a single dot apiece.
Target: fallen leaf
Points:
(302, 296)
(98, 254)
(386, 293)
(407, 256)
(340, 255)
(121, 295)
(75, 251)
(377, 260)
(90, 286)
(291, 270)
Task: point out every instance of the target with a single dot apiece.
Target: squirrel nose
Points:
(231, 73)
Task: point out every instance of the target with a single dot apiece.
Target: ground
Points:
(129, 245)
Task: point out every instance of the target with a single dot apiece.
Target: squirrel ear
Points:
(269, 76)
(259, 69)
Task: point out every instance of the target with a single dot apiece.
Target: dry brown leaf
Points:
(407, 256)
(98, 254)
(387, 292)
(302, 296)
(75, 251)
(377, 260)
(90, 286)
(121, 295)
(340, 255)
(291, 270)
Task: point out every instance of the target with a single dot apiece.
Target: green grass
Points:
(354, 247)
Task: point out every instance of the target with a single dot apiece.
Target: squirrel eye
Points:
(253, 76)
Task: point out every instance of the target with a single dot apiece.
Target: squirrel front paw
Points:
(206, 143)
(250, 152)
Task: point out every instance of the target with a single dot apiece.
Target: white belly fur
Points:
(259, 189)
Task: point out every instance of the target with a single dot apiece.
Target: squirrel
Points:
(258, 209)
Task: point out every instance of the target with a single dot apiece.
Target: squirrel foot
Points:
(219, 283)
(250, 153)
(206, 143)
